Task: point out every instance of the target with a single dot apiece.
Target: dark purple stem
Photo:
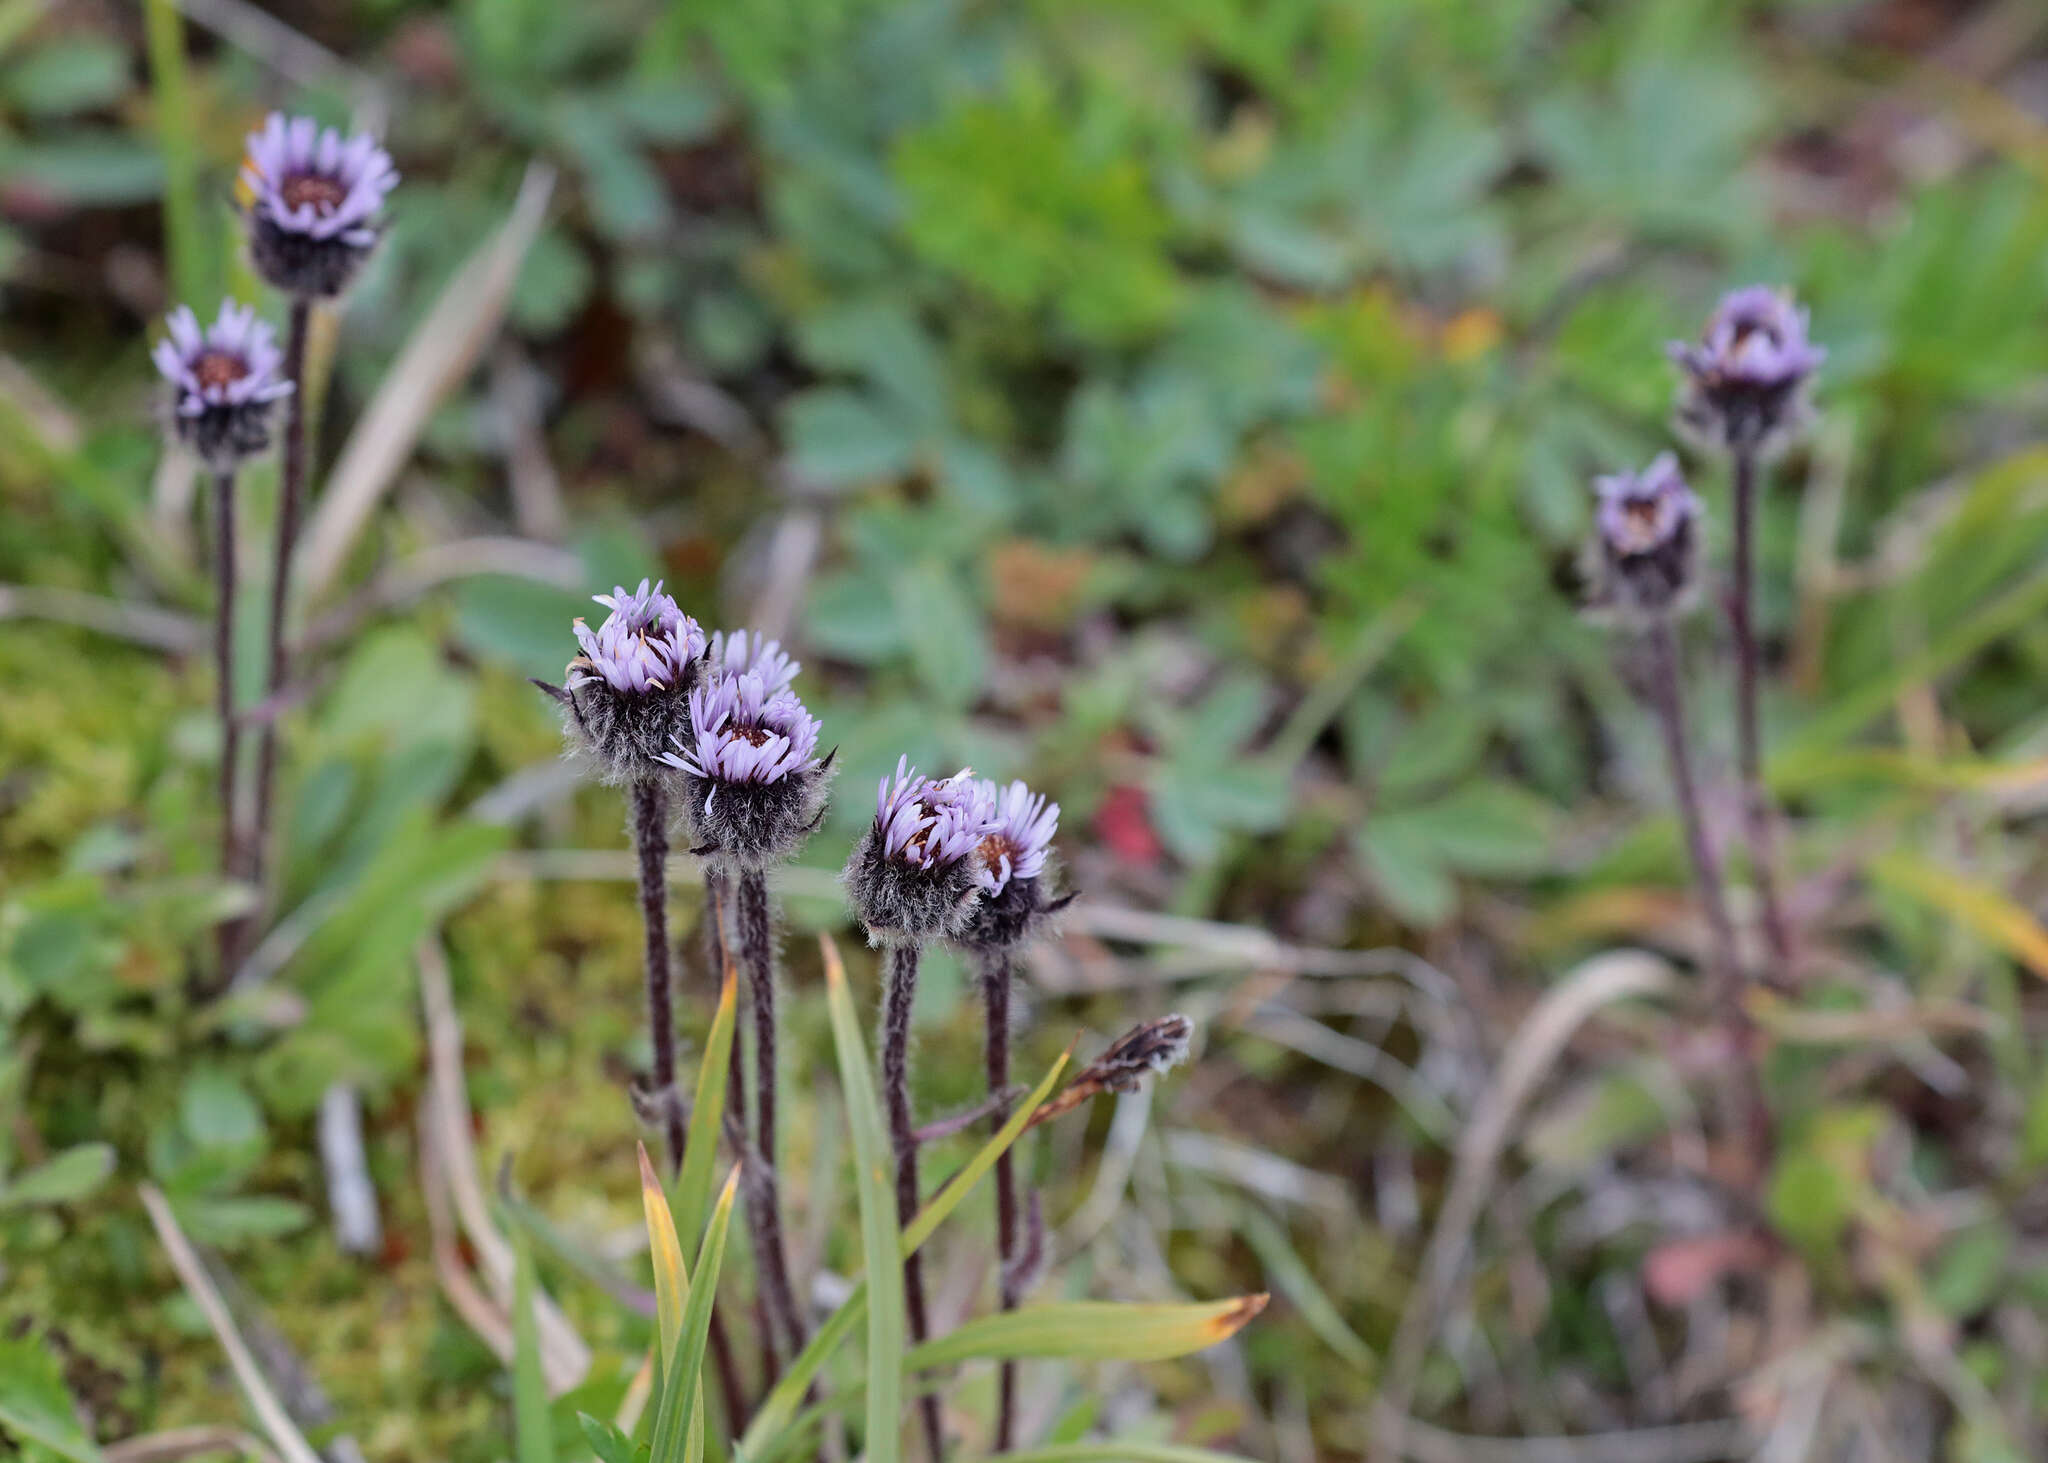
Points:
(224, 696)
(897, 998)
(650, 841)
(995, 987)
(290, 499)
(722, 1353)
(1756, 804)
(757, 952)
(1725, 972)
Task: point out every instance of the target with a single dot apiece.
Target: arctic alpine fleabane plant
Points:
(625, 702)
(315, 203)
(225, 385)
(1645, 550)
(1745, 379)
(313, 206)
(226, 381)
(914, 877)
(1646, 559)
(755, 789)
(1010, 869)
(1746, 391)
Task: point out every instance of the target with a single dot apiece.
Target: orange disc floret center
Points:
(219, 368)
(323, 193)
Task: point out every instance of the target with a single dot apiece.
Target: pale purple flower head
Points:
(627, 698)
(315, 200)
(1010, 866)
(749, 650)
(914, 875)
(1745, 379)
(1016, 849)
(224, 381)
(752, 779)
(645, 644)
(930, 824)
(1646, 539)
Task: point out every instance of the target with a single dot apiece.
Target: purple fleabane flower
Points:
(749, 650)
(752, 778)
(225, 380)
(627, 692)
(1010, 865)
(1646, 540)
(913, 876)
(314, 203)
(1745, 379)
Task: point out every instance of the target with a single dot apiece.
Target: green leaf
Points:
(34, 1403)
(74, 73)
(944, 628)
(1971, 1271)
(1089, 1330)
(874, 1186)
(68, 1177)
(839, 438)
(671, 1280)
(607, 1442)
(707, 1116)
(531, 1425)
(678, 1423)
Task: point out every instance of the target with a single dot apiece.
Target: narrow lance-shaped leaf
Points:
(683, 1386)
(1090, 1330)
(531, 1425)
(700, 1150)
(671, 1280)
(879, 1244)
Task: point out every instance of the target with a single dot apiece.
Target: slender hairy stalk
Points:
(722, 1355)
(757, 953)
(1756, 806)
(290, 501)
(650, 841)
(897, 998)
(1725, 971)
(995, 988)
(224, 695)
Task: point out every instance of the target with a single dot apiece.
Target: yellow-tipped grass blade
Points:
(1985, 911)
(671, 1280)
(1090, 1330)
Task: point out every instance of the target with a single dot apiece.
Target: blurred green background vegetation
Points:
(1189, 407)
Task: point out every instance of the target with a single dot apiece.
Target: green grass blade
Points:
(671, 1280)
(531, 1425)
(679, 1424)
(879, 1240)
(781, 1404)
(1090, 1330)
(707, 1117)
(173, 111)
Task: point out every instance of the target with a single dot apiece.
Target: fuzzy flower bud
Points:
(752, 779)
(1010, 866)
(225, 381)
(1645, 548)
(1746, 379)
(314, 200)
(627, 694)
(914, 876)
